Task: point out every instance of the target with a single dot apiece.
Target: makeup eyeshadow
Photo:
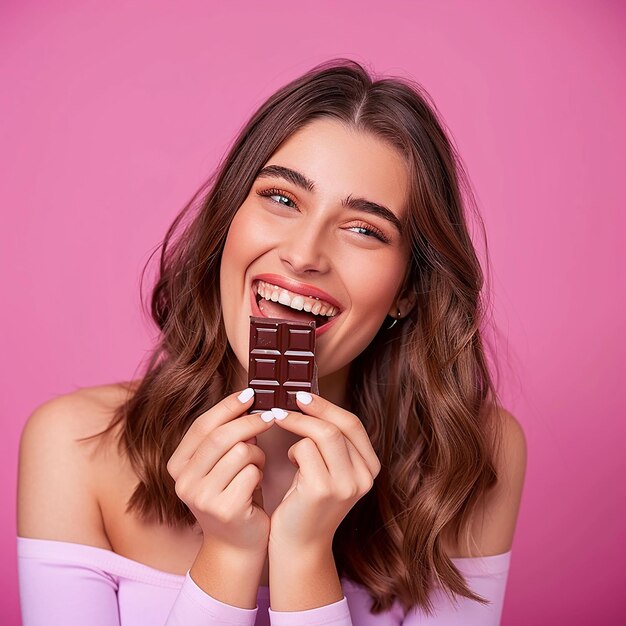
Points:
(282, 362)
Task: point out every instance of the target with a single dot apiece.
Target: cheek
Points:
(374, 286)
(241, 242)
(247, 237)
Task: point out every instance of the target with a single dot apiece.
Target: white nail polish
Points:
(279, 414)
(245, 395)
(267, 416)
(304, 397)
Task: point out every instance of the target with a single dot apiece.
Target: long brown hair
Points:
(423, 388)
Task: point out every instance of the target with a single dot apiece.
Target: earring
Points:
(394, 321)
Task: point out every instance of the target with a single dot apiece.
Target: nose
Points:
(303, 250)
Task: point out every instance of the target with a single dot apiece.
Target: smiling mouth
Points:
(270, 308)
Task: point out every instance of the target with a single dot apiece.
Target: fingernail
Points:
(304, 397)
(267, 416)
(279, 414)
(245, 395)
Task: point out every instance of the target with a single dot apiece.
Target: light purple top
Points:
(72, 584)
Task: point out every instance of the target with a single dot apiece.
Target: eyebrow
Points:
(359, 204)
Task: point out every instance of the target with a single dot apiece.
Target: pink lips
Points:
(320, 330)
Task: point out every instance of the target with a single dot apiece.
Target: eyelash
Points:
(377, 234)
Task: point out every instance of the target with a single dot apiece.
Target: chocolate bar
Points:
(282, 362)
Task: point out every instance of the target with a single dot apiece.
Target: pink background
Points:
(111, 114)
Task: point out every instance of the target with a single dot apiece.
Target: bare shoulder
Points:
(510, 460)
(514, 451)
(57, 473)
(496, 527)
(494, 521)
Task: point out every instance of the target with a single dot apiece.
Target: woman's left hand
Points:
(336, 467)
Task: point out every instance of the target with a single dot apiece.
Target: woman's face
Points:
(309, 236)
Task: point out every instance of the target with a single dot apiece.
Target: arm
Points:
(494, 521)
(493, 527)
(222, 586)
(305, 589)
(58, 591)
(336, 467)
(229, 577)
(61, 579)
(70, 584)
(55, 500)
(487, 577)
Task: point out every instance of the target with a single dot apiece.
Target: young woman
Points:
(391, 497)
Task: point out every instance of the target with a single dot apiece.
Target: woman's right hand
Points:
(217, 472)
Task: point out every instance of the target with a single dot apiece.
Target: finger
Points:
(239, 494)
(361, 472)
(224, 411)
(311, 465)
(228, 408)
(244, 428)
(257, 495)
(220, 467)
(327, 437)
(349, 424)
(313, 469)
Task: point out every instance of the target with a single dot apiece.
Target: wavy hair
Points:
(423, 389)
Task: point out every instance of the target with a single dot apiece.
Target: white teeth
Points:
(284, 298)
(299, 302)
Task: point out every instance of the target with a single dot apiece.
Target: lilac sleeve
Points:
(62, 584)
(73, 584)
(55, 592)
(487, 577)
(335, 614)
(195, 607)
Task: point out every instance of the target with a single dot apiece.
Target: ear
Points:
(406, 298)
(405, 304)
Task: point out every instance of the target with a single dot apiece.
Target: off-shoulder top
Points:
(71, 584)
